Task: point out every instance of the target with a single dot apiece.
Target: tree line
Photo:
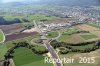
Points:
(69, 47)
(7, 22)
(3, 21)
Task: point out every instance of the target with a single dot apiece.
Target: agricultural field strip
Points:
(86, 37)
(69, 38)
(2, 37)
(92, 30)
(34, 59)
(94, 25)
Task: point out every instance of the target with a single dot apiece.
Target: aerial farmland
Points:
(49, 33)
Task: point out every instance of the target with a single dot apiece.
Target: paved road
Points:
(52, 52)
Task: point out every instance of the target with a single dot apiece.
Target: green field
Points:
(65, 35)
(9, 45)
(11, 17)
(94, 25)
(96, 7)
(52, 34)
(63, 38)
(3, 50)
(25, 57)
(83, 47)
(39, 48)
(86, 37)
(1, 36)
(30, 17)
(69, 31)
(40, 17)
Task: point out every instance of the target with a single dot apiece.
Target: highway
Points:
(52, 52)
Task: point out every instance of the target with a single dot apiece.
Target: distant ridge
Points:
(59, 2)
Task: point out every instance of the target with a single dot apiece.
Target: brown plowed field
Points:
(13, 28)
(92, 30)
(76, 38)
(19, 36)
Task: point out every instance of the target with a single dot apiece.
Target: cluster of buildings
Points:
(55, 26)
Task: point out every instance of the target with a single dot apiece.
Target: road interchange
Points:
(48, 46)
